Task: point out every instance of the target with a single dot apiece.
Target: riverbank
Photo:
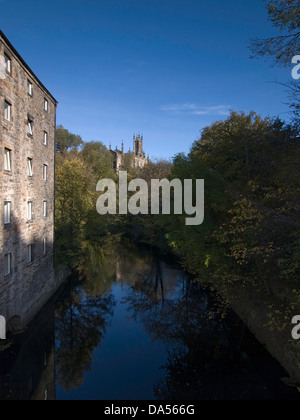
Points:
(267, 320)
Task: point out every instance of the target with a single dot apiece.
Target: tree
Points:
(98, 159)
(285, 15)
(250, 236)
(233, 147)
(73, 202)
(66, 141)
(81, 325)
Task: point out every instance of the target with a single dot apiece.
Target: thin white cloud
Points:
(193, 109)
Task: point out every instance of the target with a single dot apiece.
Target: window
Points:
(7, 63)
(30, 127)
(7, 160)
(7, 111)
(30, 167)
(45, 172)
(44, 246)
(45, 105)
(29, 88)
(7, 212)
(29, 211)
(29, 254)
(7, 265)
(45, 210)
(45, 138)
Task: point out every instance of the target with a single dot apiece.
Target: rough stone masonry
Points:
(27, 151)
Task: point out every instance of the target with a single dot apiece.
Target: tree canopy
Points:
(66, 141)
(285, 16)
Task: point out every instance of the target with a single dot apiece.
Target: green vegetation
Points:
(79, 166)
(251, 232)
(250, 239)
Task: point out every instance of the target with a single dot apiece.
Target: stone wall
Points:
(29, 283)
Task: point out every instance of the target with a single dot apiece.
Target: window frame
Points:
(29, 211)
(45, 208)
(7, 160)
(44, 246)
(8, 266)
(45, 141)
(29, 88)
(29, 167)
(7, 111)
(7, 63)
(45, 172)
(30, 123)
(7, 213)
(29, 254)
(46, 105)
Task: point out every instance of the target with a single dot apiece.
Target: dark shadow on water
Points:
(130, 324)
(27, 360)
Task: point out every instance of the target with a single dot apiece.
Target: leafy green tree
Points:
(73, 202)
(232, 146)
(66, 141)
(250, 229)
(98, 159)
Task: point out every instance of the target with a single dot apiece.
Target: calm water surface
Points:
(133, 326)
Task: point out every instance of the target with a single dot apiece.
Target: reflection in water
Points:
(158, 335)
(80, 327)
(27, 370)
(132, 326)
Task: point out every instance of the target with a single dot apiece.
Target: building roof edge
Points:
(15, 52)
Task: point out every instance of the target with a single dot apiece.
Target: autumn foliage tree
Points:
(252, 191)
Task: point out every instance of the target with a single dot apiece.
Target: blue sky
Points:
(165, 68)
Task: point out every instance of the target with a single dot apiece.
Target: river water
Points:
(134, 326)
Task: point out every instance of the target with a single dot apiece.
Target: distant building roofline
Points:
(23, 62)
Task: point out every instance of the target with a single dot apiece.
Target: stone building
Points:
(27, 146)
(138, 157)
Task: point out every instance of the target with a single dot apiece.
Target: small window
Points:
(7, 212)
(7, 160)
(29, 211)
(7, 111)
(45, 172)
(29, 167)
(30, 127)
(7, 264)
(7, 63)
(44, 246)
(29, 88)
(45, 138)
(29, 254)
(45, 210)
(45, 105)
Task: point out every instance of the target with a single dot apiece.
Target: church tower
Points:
(138, 146)
(138, 157)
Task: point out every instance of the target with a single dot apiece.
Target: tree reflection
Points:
(211, 353)
(81, 324)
